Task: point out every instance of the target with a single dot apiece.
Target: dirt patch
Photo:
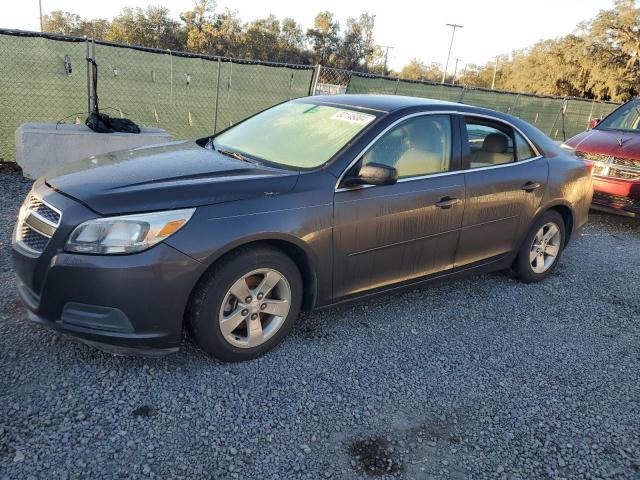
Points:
(376, 457)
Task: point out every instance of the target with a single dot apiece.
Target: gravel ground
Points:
(481, 378)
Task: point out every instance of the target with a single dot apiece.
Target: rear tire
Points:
(541, 249)
(246, 304)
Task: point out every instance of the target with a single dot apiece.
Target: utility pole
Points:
(40, 5)
(455, 71)
(495, 71)
(453, 33)
(386, 55)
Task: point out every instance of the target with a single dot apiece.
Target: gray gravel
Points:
(481, 378)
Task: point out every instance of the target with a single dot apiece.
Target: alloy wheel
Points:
(545, 247)
(255, 308)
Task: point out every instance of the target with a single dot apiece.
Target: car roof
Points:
(380, 103)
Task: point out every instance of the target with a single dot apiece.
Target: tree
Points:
(65, 23)
(358, 49)
(418, 70)
(324, 38)
(150, 28)
(600, 60)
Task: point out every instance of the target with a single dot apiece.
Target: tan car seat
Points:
(493, 152)
(425, 151)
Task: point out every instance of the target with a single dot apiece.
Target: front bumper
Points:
(616, 195)
(122, 302)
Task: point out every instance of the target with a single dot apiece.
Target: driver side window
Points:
(418, 146)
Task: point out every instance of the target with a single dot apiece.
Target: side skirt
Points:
(495, 264)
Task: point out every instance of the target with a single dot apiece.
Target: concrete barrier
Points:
(41, 147)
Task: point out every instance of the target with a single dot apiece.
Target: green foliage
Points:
(601, 60)
(204, 30)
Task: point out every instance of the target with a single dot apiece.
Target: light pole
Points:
(386, 54)
(453, 33)
(40, 5)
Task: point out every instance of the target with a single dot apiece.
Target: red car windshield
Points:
(626, 118)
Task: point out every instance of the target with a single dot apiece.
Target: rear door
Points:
(505, 180)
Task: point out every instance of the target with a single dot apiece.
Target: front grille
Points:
(610, 199)
(613, 167)
(37, 222)
(34, 240)
(594, 157)
(42, 209)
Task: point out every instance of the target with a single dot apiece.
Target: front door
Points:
(394, 233)
(505, 180)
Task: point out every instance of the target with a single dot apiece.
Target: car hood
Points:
(608, 142)
(167, 176)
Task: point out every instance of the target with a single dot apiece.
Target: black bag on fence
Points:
(101, 123)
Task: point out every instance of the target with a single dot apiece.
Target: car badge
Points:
(619, 141)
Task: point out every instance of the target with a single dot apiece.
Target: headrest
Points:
(495, 143)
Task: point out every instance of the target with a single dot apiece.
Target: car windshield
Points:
(294, 134)
(627, 117)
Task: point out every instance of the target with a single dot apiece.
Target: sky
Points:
(414, 28)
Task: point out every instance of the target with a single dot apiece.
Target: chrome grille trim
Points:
(612, 167)
(37, 222)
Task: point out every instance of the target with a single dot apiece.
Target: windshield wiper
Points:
(234, 154)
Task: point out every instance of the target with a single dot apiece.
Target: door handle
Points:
(530, 186)
(447, 202)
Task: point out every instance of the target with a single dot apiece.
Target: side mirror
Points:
(373, 174)
(593, 123)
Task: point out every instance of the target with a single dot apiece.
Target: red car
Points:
(612, 147)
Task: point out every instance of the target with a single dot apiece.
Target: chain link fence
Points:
(45, 78)
(559, 117)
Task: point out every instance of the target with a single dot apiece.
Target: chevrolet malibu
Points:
(311, 203)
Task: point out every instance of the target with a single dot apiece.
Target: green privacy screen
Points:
(175, 91)
(549, 114)
(43, 78)
(35, 87)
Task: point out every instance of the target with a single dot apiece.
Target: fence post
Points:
(464, 88)
(86, 42)
(94, 81)
(555, 120)
(512, 108)
(395, 92)
(593, 103)
(215, 115)
(314, 80)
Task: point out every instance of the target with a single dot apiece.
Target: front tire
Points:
(246, 304)
(542, 248)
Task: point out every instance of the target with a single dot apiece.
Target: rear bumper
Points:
(616, 195)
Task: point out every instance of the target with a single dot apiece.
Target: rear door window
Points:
(489, 144)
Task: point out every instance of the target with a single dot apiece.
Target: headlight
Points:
(128, 233)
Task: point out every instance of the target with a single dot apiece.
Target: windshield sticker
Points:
(353, 117)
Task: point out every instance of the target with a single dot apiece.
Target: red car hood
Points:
(608, 142)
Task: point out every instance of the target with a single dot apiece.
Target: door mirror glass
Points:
(378, 174)
(593, 123)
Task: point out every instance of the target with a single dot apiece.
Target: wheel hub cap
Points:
(545, 247)
(254, 308)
